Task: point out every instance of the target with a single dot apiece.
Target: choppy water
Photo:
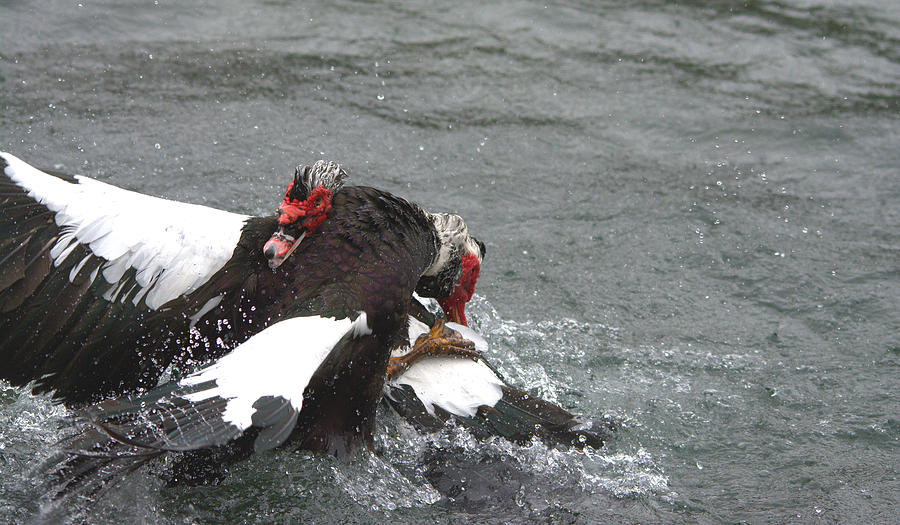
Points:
(691, 214)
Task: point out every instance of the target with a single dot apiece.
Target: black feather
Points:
(276, 419)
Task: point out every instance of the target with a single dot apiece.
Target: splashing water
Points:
(448, 468)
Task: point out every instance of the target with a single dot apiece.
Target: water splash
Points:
(379, 486)
(538, 357)
(523, 351)
(450, 467)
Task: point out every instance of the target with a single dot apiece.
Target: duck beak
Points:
(280, 246)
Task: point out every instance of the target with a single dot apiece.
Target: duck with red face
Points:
(296, 315)
(89, 279)
(306, 204)
(451, 280)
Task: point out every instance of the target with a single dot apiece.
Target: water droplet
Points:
(520, 496)
(157, 146)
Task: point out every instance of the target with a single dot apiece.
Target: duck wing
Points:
(251, 400)
(87, 274)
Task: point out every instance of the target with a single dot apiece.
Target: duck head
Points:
(451, 278)
(306, 204)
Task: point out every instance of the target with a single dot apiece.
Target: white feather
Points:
(77, 268)
(140, 295)
(481, 343)
(361, 326)
(113, 292)
(97, 228)
(62, 243)
(181, 244)
(94, 274)
(416, 328)
(205, 309)
(278, 362)
(147, 275)
(143, 258)
(126, 294)
(457, 385)
(429, 303)
(65, 253)
(115, 269)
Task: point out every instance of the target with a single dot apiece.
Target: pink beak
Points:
(280, 246)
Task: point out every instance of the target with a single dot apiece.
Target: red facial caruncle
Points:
(454, 304)
(299, 218)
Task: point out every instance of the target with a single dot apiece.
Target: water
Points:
(691, 214)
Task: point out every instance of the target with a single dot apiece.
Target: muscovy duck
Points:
(103, 289)
(82, 258)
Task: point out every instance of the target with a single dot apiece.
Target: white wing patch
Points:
(278, 362)
(174, 247)
(457, 385)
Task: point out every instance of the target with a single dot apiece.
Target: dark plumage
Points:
(70, 341)
(90, 310)
(88, 326)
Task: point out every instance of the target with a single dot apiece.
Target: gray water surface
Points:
(691, 213)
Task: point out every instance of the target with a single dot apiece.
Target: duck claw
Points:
(441, 340)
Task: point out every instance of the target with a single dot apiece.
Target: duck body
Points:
(105, 289)
(297, 351)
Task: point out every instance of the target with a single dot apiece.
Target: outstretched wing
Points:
(257, 391)
(436, 389)
(84, 269)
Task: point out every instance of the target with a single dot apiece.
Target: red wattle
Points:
(454, 305)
